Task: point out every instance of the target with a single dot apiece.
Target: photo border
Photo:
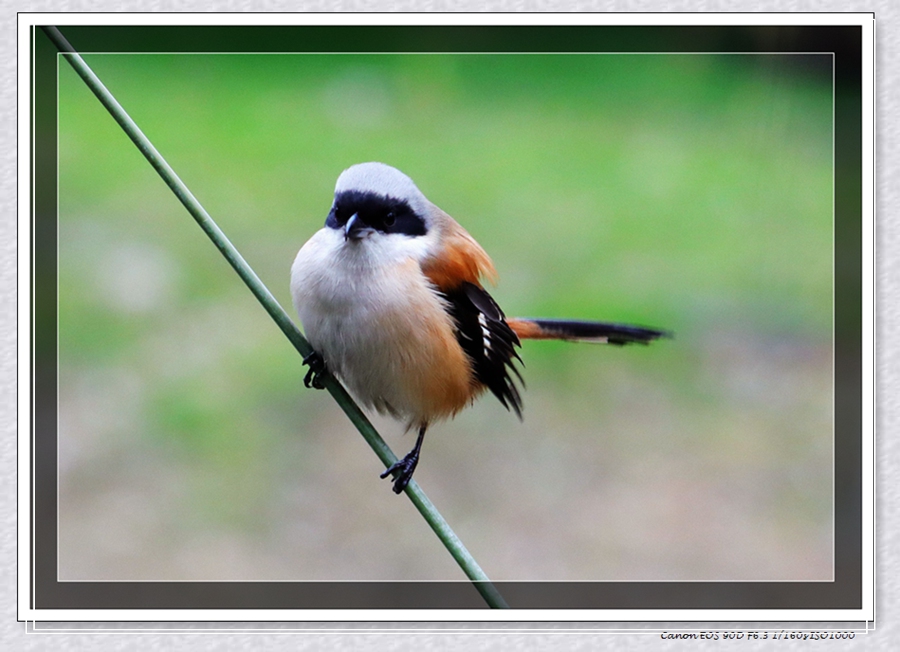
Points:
(846, 594)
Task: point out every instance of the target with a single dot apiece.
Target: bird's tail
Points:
(584, 331)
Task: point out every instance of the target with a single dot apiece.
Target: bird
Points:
(390, 295)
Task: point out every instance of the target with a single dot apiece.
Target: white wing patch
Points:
(485, 333)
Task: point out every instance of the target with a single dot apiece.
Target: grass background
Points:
(690, 192)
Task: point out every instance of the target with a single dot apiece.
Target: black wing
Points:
(488, 340)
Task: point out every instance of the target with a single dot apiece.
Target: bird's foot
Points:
(317, 371)
(402, 470)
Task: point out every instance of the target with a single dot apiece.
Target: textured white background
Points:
(12, 633)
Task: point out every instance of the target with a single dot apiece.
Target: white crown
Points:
(384, 180)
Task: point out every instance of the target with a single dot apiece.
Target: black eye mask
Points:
(382, 213)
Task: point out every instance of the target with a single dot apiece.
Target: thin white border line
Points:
(58, 438)
(676, 633)
(650, 625)
(32, 402)
(476, 615)
(865, 19)
(453, 581)
(454, 19)
(458, 580)
(459, 53)
(536, 581)
(833, 316)
(59, 55)
(868, 450)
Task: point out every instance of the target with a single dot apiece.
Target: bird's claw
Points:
(402, 471)
(317, 371)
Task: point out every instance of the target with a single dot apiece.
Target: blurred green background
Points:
(689, 192)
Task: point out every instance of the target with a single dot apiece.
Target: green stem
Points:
(261, 292)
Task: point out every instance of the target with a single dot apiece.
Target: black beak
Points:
(355, 228)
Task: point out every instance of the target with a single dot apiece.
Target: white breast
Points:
(379, 325)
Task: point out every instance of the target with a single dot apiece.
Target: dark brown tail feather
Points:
(584, 331)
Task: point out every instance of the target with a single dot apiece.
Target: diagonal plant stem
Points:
(429, 512)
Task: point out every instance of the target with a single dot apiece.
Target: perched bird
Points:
(389, 294)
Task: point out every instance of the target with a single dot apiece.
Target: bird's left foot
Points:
(317, 371)
(402, 470)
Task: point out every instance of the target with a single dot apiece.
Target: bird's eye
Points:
(389, 219)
